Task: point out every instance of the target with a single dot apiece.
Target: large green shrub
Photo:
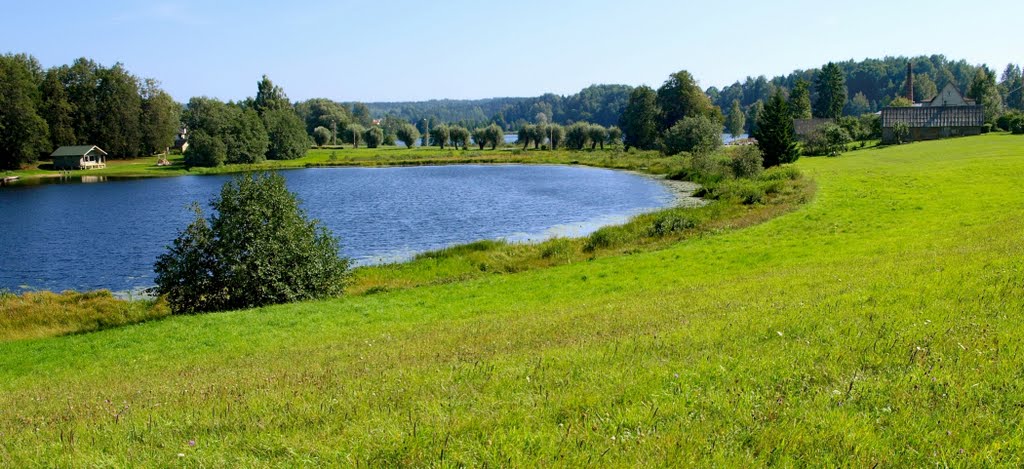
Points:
(699, 135)
(746, 162)
(258, 248)
(828, 140)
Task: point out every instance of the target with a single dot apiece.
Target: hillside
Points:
(878, 325)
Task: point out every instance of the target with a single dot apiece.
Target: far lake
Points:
(86, 236)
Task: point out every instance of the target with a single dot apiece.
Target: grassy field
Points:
(879, 324)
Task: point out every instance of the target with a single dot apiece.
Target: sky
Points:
(399, 50)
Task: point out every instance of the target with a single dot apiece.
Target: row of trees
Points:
(577, 136)
(78, 104)
(251, 131)
(666, 119)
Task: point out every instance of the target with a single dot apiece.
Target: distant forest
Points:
(871, 84)
(599, 104)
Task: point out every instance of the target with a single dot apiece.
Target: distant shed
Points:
(79, 157)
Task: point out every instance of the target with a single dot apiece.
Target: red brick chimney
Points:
(910, 81)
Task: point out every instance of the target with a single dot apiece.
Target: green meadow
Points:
(878, 324)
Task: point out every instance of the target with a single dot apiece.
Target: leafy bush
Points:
(746, 162)
(827, 140)
(671, 222)
(1016, 125)
(601, 238)
(900, 132)
(986, 128)
(698, 135)
(780, 173)
(257, 249)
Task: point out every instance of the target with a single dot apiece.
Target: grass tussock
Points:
(42, 314)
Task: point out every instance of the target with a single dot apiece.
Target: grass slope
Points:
(879, 324)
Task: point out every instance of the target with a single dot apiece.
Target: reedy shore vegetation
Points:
(877, 325)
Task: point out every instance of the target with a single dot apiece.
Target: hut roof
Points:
(76, 150)
(945, 116)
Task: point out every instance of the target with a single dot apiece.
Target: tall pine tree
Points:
(831, 87)
(774, 134)
(800, 99)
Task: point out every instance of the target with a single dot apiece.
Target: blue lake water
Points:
(86, 236)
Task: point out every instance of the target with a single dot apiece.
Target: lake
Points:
(78, 235)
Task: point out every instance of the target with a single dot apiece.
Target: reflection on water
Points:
(96, 232)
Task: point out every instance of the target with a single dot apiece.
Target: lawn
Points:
(879, 324)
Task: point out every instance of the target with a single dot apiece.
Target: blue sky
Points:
(402, 50)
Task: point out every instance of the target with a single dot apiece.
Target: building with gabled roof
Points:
(947, 114)
(79, 157)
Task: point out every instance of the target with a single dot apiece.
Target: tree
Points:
(639, 119)
(205, 150)
(576, 135)
(322, 135)
(439, 135)
(23, 132)
(753, 114)
(288, 138)
(859, 104)
(495, 136)
(828, 140)
(597, 135)
(269, 97)
(57, 109)
(680, 97)
(459, 136)
(614, 136)
(480, 137)
(538, 134)
(257, 248)
(984, 91)
(525, 135)
(697, 134)
(374, 136)
(245, 137)
(320, 112)
(900, 101)
(408, 134)
(160, 118)
(354, 133)
(556, 135)
(80, 81)
(361, 114)
(774, 133)
(830, 84)
(1012, 87)
(736, 120)
(119, 108)
(800, 99)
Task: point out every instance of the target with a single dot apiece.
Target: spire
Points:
(910, 81)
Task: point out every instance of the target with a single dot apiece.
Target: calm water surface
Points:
(85, 236)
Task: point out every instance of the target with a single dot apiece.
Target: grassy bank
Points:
(44, 314)
(646, 161)
(878, 325)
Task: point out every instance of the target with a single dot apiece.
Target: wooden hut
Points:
(79, 157)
